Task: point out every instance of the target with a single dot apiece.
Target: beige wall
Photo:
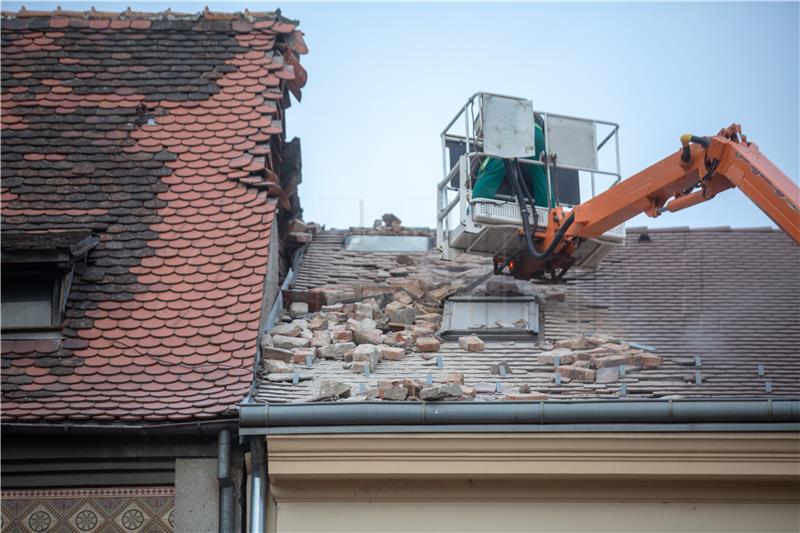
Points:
(354, 517)
(535, 482)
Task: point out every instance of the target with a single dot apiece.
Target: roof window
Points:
(491, 317)
(31, 298)
(387, 243)
(36, 277)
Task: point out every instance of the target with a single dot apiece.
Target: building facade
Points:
(147, 184)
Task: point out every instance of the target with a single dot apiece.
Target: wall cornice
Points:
(642, 466)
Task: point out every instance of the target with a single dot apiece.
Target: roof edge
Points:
(199, 427)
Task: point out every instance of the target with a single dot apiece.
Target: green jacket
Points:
(493, 172)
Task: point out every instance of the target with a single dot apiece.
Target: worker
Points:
(493, 172)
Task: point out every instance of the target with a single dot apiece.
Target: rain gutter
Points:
(520, 416)
(211, 427)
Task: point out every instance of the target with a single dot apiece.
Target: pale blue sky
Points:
(385, 78)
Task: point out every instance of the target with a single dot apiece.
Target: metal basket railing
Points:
(463, 150)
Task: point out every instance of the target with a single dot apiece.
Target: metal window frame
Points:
(349, 238)
(534, 332)
(58, 294)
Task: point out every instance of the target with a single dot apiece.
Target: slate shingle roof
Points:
(162, 134)
(731, 297)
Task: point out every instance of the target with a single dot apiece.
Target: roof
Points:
(162, 134)
(327, 263)
(714, 303)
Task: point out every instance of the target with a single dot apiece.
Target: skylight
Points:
(387, 243)
(491, 317)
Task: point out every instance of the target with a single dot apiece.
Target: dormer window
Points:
(31, 297)
(37, 271)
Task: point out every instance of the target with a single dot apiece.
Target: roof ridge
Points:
(688, 229)
(206, 14)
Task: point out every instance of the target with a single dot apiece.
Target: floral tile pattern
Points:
(114, 510)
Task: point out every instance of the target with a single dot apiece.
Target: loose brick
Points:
(287, 330)
(369, 353)
(576, 343)
(289, 343)
(391, 353)
(300, 355)
(614, 360)
(441, 392)
(564, 355)
(471, 343)
(394, 392)
(337, 351)
(279, 354)
(428, 344)
(647, 360)
(321, 338)
(342, 336)
(369, 336)
(576, 372)
(526, 397)
(298, 309)
(333, 389)
(454, 377)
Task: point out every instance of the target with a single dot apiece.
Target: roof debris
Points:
(603, 324)
(394, 322)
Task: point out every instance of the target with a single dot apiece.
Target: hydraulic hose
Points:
(686, 154)
(531, 198)
(513, 178)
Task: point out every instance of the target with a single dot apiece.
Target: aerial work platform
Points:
(576, 165)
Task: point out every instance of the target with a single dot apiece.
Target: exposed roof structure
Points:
(162, 134)
(721, 306)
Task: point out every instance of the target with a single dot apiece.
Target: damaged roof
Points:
(162, 134)
(701, 313)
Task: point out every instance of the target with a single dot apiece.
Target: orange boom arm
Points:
(696, 173)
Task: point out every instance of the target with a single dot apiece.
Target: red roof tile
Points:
(159, 147)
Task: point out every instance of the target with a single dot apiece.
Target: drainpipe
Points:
(258, 485)
(226, 512)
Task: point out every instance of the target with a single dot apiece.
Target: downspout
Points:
(258, 484)
(226, 500)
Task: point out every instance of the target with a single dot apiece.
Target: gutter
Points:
(211, 427)
(520, 416)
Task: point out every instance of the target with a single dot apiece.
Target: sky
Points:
(384, 79)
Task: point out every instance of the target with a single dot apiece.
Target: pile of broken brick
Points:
(392, 327)
(596, 358)
(361, 334)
